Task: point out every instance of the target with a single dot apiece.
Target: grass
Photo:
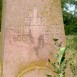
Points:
(72, 52)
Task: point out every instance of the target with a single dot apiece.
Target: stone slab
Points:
(29, 30)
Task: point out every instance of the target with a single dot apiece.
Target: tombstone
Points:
(30, 29)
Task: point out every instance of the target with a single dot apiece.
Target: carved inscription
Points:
(34, 32)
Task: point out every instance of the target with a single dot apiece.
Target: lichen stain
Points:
(23, 69)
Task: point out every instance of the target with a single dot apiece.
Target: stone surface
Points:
(30, 28)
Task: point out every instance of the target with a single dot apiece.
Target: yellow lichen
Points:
(0, 69)
(41, 64)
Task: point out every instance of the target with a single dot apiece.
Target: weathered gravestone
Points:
(30, 28)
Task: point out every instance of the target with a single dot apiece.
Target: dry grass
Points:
(0, 41)
(0, 46)
(0, 53)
